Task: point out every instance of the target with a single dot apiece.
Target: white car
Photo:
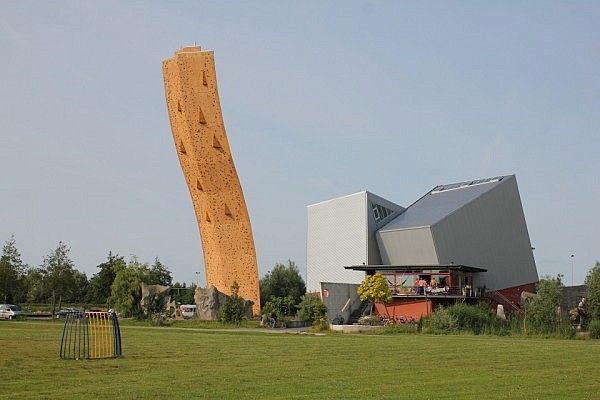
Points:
(187, 310)
(9, 311)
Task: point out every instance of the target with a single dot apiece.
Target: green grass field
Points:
(218, 364)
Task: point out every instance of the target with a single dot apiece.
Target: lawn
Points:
(219, 364)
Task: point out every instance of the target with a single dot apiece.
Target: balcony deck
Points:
(447, 293)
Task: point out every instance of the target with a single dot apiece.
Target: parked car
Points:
(187, 310)
(9, 311)
(63, 313)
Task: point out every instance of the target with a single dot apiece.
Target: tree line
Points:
(56, 279)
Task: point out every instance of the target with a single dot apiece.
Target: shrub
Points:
(320, 324)
(160, 320)
(282, 306)
(311, 308)
(375, 288)
(594, 328)
(592, 301)
(282, 281)
(474, 318)
(371, 320)
(234, 308)
(440, 321)
(397, 329)
(541, 310)
(155, 305)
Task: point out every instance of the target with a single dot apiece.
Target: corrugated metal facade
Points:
(374, 256)
(407, 247)
(341, 232)
(336, 237)
(490, 232)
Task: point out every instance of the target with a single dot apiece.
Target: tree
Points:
(33, 284)
(375, 288)
(182, 294)
(282, 281)
(101, 282)
(282, 306)
(311, 308)
(80, 289)
(541, 309)
(59, 274)
(234, 308)
(126, 290)
(592, 301)
(159, 274)
(12, 273)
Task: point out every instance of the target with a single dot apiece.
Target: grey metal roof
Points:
(442, 201)
(452, 267)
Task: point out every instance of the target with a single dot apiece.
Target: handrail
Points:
(502, 299)
(346, 305)
(440, 291)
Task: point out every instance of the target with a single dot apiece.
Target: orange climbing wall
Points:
(205, 158)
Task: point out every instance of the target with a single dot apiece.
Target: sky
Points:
(319, 99)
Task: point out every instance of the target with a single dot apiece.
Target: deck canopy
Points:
(407, 268)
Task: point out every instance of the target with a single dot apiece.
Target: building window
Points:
(380, 213)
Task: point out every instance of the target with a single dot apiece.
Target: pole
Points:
(572, 268)
(197, 279)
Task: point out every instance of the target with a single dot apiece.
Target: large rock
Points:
(209, 302)
(148, 291)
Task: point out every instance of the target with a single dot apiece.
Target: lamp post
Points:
(572, 268)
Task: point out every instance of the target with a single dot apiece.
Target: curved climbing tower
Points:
(207, 164)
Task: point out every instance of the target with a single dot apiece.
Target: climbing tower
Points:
(207, 164)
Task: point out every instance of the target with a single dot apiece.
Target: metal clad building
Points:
(490, 232)
(478, 223)
(341, 232)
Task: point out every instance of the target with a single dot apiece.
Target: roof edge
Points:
(338, 198)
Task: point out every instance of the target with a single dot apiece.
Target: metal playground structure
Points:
(90, 335)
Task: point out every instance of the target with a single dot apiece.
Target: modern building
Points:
(462, 241)
(341, 232)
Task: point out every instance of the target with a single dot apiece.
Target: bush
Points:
(592, 301)
(474, 318)
(371, 320)
(234, 308)
(311, 308)
(160, 320)
(440, 321)
(282, 281)
(282, 306)
(541, 310)
(397, 329)
(594, 328)
(320, 324)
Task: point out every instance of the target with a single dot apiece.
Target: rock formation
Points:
(209, 302)
(151, 292)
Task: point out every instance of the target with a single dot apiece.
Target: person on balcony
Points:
(422, 285)
(416, 285)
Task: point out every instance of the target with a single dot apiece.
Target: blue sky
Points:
(320, 99)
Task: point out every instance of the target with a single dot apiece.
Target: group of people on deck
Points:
(421, 285)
